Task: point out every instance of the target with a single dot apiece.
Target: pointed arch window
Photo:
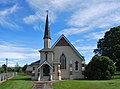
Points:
(63, 61)
(76, 65)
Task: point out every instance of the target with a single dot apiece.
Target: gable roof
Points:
(62, 42)
(45, 62)
(61, 39)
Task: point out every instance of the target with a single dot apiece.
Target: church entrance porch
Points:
(46, 70)
(46, 73)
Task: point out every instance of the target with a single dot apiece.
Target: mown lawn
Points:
(18, 82)
(89, 84)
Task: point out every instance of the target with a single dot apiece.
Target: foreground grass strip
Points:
(88, 84)
(18, 82)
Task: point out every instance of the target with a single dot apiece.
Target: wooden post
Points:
(71, 77)
(59, 73)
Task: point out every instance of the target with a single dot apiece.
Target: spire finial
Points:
(47, 12)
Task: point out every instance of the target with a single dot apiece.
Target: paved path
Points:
(42, 85)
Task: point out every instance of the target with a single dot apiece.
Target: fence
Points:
(6, 76)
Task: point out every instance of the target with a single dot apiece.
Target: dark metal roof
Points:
(35, 63)
(46, 50)
(47, 29)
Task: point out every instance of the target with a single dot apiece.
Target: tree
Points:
(99, 68)
(10, 69)
(4, 68)
(1, 70)
(110, 46)
(17, 68)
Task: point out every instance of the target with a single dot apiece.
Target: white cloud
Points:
(72, 31)
(14, 51)
(95, 35)
(5, 21)
(30, 19)
(40, 6)
(8, 11)
(87, 50)
(80, 40)
(92, 15)
(54, 6)
(17, 53)
(64, 4)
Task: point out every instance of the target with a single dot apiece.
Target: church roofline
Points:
(35, 63)
(46, 50)
(70, 46)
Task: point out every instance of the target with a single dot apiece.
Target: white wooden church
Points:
(61, 61)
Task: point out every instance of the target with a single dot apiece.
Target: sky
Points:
(83, 22)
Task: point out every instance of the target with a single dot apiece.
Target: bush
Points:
(100, 68)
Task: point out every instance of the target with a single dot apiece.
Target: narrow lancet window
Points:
(63, 61)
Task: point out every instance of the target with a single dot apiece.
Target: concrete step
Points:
(45, 78)
(42, 85)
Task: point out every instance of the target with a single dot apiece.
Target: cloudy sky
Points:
(83, 22)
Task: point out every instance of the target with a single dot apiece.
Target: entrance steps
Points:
(42, 85)
(45, 78)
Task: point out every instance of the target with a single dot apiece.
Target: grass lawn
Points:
(18, 82)
(89, 84)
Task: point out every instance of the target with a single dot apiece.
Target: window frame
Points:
(63, 60)
(76, 64)
(46, 55)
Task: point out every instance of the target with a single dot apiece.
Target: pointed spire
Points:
(47, 28)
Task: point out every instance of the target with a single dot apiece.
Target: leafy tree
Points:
(10, 69)
(17, 68)
(24, 68)
(110, 46)
(4, 67)
(99, 68)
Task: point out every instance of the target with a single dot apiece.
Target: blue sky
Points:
(83, 22)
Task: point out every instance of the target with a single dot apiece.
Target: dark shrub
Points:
(100, 68)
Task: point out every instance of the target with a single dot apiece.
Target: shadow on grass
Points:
(22, 77)
(26, 79)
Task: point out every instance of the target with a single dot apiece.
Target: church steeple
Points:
(47, 28)
(47, 37)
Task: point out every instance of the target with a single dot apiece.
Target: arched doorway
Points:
(46, 70)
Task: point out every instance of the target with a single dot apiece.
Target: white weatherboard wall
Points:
(36, 73)
(70, 56)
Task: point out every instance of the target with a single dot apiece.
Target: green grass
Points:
(89, 84)
(23, 82)
(18, 82)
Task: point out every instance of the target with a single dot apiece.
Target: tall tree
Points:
(110, 46)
